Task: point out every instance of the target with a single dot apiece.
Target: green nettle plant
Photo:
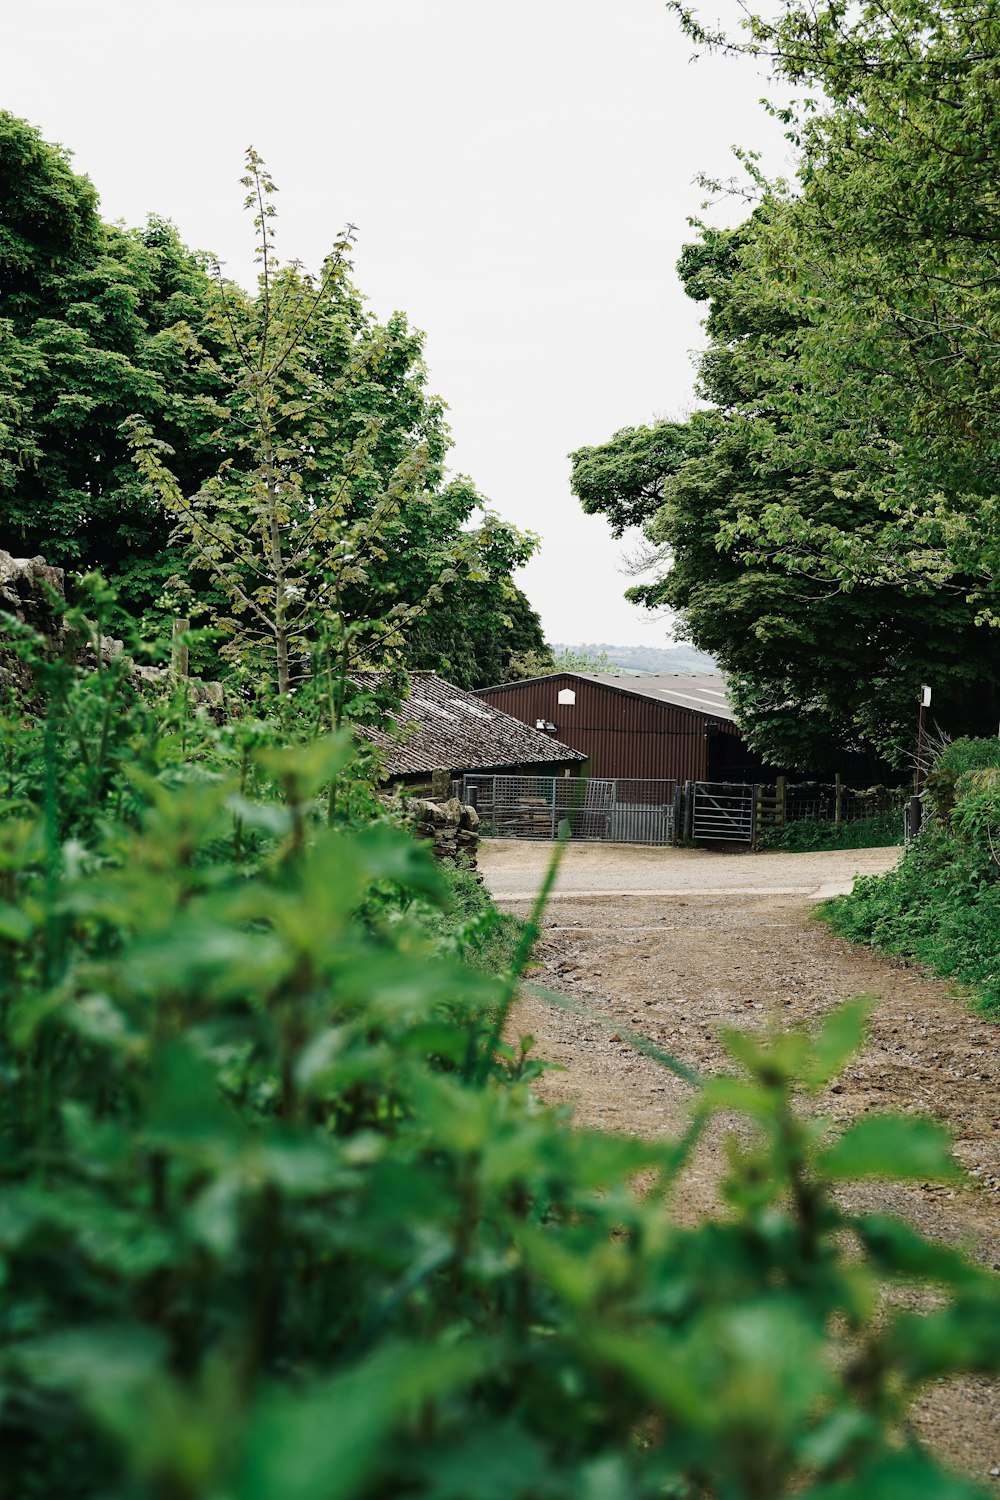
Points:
(282, 1220)
(328, 525)
(941, 904)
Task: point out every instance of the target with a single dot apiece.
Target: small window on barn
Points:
(567, 695)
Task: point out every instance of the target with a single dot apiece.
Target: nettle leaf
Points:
(336, 1436)
(839, 1037)
(964, 1336)
(897, 1249)
(16, 926)
(308, 768)
(723, 1092)
(891, 1146)
(909, 1475)
(493, 1462)
(184, 1105)
(103, 1366)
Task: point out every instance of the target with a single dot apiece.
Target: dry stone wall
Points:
(26, 588)
(451, 827)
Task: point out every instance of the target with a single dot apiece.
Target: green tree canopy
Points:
(96, 323)
(100, 326)
(827, 528)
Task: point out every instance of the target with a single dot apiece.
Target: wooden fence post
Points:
(838, 807)
(781, 811)
(179, 651)
(677, 829)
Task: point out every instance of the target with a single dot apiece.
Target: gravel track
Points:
(514, 870)
(669, 944)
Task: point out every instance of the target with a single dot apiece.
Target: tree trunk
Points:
(281, 650)
(278, 567)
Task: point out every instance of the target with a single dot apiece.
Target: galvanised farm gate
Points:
(624, 810)
(617, 811)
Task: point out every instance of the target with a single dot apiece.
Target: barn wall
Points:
(621, 735)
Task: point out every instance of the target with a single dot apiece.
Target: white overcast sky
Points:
(521, 175)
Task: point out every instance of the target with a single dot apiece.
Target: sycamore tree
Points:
(889, 237)
(487, 629)
(828, 527)
(330, 523)
(100, 324)
(96, 323)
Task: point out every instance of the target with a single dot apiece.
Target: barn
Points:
(442, 728)
(670, 726)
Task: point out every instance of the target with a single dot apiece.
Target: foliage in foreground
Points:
(941, 905)
(281, 1219)
(875, 832)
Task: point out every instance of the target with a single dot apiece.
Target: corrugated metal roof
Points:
(704, 692)
(445, 728)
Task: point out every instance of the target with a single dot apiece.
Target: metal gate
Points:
(723, 811)
(620, 811)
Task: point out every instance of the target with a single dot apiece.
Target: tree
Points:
(890, 241)
(547, 661)
(99, 325)
(487, 626)
(838, 541)
(96, 323)
(824, 659)
(329, 524)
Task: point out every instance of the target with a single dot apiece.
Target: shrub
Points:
(941, 905)
(282, 1220)
(874, 832)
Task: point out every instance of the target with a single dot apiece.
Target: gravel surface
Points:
(514, 870)
(677, 967)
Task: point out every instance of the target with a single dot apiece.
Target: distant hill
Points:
(649, 658)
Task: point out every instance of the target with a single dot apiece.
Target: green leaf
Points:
(332, 1438)
(964, 1336)
(15, 924)
(839, 1037)
(891, 1146)
(898, 1249)
(899, 1476)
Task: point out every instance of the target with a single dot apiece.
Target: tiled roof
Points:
(444, 728)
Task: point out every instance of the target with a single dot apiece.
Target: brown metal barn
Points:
(669, 725)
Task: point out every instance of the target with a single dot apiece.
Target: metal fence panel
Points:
(642, 811)
(598, 809)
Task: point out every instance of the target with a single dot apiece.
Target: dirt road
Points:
(694, 951)
(514, 870)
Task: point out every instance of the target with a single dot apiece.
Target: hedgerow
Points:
(941, 905)
(877, 831)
